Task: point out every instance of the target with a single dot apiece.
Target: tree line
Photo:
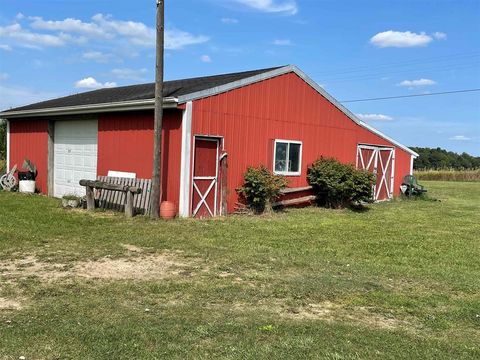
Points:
(437, 159)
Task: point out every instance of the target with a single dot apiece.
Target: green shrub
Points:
(337, 185)
(261, 187)
(3, 166)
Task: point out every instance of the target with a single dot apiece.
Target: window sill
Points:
(283, 173)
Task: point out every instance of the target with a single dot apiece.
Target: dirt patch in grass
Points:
(332, 312)
(136, 268)
(132, 248)
(9, 304)
(31, 266)
(141, 267)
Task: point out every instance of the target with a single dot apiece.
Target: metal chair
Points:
(410, 186)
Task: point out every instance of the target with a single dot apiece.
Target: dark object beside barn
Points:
(411, 186)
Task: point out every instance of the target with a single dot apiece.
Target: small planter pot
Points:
(167, 210)
(26, 186)
(70, 203)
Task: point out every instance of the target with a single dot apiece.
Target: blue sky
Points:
(355, 49)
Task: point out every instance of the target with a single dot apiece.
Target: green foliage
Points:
(3, 140)
(442, 159)
(338, 185)
(31, 167)
(70, 197)
(261, 187)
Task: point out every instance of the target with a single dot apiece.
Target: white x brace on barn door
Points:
(380, 161)
(205, 177)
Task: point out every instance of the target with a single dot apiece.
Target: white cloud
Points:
(282, 42)
(272, 6)
(460, 138)
(68, 25)
(440, 35)
(229, 21)
(97, 56)
(177, 39)
(16, 96)
(135, 32)
(101, 28)
(205, 59)
(3, 76)
(375, 117)
(416, 83)
(26, 38)
(5, 47)
(130, 74)
(91, 83)
(400, 39)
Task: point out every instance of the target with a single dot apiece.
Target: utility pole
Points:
(157, 142)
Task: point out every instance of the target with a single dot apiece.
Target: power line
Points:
(414, 95)
(379, 75)
(415, 62)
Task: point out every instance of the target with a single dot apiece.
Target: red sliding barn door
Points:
(205, 177)
(381, 162)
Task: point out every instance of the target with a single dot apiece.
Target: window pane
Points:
(294, 158)
(281, 157)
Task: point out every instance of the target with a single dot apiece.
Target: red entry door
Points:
(380, 161)
(205, 177)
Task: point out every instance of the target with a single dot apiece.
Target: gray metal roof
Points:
(174, 88)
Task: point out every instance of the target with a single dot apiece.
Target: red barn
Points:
(278, 117)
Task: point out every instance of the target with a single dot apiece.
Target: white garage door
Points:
(75, 155)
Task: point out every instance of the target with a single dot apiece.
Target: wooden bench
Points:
(295, 197)
(115, 201)
(129, 192)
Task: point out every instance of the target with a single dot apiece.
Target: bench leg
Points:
(90, 199)
(129, 205)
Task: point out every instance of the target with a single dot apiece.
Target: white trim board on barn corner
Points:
(8, 146)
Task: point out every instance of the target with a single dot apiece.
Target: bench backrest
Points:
(115, 200)
(410, 180)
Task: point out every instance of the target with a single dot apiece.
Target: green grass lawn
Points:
(399, 281)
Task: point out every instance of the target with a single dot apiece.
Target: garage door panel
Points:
(75, 155)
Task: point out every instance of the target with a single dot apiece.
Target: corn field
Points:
(448, 175)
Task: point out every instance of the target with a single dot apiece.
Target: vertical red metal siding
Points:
(284, 107)
(125, 143)
(29, 139)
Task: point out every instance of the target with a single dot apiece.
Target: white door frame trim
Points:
(219, 141)
(185, 161)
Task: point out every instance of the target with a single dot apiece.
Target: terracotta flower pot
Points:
(167, 210)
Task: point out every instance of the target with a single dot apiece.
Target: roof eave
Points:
(168, 103)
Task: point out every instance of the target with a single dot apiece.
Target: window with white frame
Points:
(287, 158)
